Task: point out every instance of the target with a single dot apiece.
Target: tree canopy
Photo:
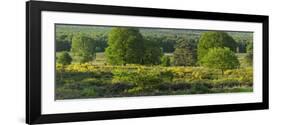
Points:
(125, 46)
(220, 58)
(64, 58)
(185, 54)
(212, 39)
(165, 61)
(63, 43)
(83, 48)
(152, 52)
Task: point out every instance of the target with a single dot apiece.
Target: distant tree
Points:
(83, 47)
(168, 42)
(214, 39)
(220, 58)
(241, 47)
(64, 58)
(125, 46)
(62, 43)
(249, 47)
(101, 41)
(185, 53)
(165, 61)
(152, 52)
(249, 55)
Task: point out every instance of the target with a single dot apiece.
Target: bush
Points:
(199, 88)
(180, 86)
(141, 77)
(167, 75)
(226, 83)
(88, 92)
(119, 87)
(86, 80)
(135, 90)
(165, 61)
(66, 93)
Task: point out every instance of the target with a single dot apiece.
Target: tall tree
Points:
(125, 46)
(220, 58)
(165, 61)
(152, 52)
(83, 48)
(62, 43)
(64, 58)
(214, 39)
(185, 53)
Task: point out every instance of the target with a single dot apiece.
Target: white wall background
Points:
(12, 64)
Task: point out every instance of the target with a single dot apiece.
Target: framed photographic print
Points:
(95, 62)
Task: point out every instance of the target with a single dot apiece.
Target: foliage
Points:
(63, 43)
(220, 58)
(126, 46)
(185, 54)
(249, 56)
(152, 53)
(64, 58)
(140, 77)
(123, 62)
(93, 81)
(83, 47)
(165, 61)
(212, 39)
(166, 37)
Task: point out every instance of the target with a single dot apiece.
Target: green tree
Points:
(214, 39)
(83, 48)
(165, 61)
(62, 43)
(220, 58)
(152, 52)
(185, 53)
(249, 55)
(125, 46)
(64, 58)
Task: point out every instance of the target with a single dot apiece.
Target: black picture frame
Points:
(33, 61)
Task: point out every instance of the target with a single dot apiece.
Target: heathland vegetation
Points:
(96, 61)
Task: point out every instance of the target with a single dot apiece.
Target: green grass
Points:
(100, 80)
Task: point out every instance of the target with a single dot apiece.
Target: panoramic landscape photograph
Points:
(112, 61)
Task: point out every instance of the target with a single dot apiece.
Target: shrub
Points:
(167, 75)
(165, 61)
(203, 73)
(180, 86)
(135, 90)
(141, 77)
(88, 92)
(66, 93)
(199, 88)
(119, 87)
(226, 82)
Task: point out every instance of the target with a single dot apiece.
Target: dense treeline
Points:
(167, 38)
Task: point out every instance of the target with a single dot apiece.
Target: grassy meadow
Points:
(166, 68)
